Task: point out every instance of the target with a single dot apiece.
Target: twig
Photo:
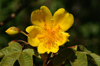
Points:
(52, 55)
(13, 15)
(43, 57)
(22, 41)
(45, 61)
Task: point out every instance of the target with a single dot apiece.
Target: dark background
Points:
(85, 30)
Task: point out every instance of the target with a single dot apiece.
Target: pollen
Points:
(50, 36)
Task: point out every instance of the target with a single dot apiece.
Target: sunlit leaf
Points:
(15, 45)
(6, 50)
(9, 60)
(29, 51)
(10, 53)
(25, 59)
(1, 54)
(95, 57)
(81, 59)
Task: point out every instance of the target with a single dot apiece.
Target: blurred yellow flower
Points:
(48, 32)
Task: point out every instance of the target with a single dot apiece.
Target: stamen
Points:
(50, 36)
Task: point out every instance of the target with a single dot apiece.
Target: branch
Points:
(13, 15)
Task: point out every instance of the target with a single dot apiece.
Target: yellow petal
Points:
(55, 49)
(64, 38)
(33, 31)
(41, 48)
(67, 22)
(46, 12)
(33, 41)
(58, 15)
(38, 17)
(29, 28)
(63, 18)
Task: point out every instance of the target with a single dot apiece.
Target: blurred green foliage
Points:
(85, 31)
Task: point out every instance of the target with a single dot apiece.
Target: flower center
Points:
(50, 36)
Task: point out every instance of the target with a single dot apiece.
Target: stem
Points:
(44, 59)
(23, 33)
(22, 41)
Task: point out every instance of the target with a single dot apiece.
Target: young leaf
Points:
(13, 47)
(9, 59)
(10, 53)
(63, 56)
(81, 59)
(16, 45)
(6, 50)
(25, 59)
(29, 51)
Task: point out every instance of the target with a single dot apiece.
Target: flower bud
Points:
(73, 47)
(12, 31)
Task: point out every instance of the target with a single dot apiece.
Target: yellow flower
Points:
(48, 32)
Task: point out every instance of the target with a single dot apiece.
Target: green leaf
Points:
(63, 55)
(25, 59)
(14, 52)
(95, 57)
(32, 52)
(29, 51)
(1, 54)
(81, 59)
(84, 49)
(10, 53)
(9, 59)
(16, 45)
(7, 50)
(13, 47)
